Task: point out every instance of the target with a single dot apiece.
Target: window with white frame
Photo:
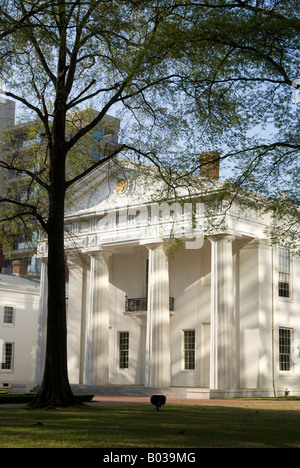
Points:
(189, 349)
(123, 350)
(7, 356)
(285, 340)
(9, 315)
(284, 272)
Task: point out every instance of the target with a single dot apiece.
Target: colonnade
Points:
(223, 372)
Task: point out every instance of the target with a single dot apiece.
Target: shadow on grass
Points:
(141, 426)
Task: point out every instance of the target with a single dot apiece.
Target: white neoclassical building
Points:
(218, 317)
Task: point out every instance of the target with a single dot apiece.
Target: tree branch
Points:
(95, 166)
(32, 211)
(32, 175)
(83, 131)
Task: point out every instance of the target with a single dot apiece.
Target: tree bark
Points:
(55, 389)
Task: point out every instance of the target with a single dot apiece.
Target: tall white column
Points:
(223, 373)
(157, 365)
(76, 315)
(97, 365)
(42, 324)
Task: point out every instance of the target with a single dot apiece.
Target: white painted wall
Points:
(192, 311)
(127, 276)
(286, 315)
(23, 332)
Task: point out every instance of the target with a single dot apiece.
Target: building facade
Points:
(19, 307)
(218, 317)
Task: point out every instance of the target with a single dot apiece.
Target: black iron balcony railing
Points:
(139, 304)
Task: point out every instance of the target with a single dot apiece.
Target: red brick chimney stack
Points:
(210, 164)
(19, 267)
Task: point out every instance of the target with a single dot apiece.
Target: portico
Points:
(134, 288)
(206, 317)
(100, 292)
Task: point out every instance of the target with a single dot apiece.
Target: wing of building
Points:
(19, 306)
(217, 318)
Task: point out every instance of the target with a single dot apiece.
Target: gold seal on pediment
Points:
(121, 185)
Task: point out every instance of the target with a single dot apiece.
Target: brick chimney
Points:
(209, 164)
(19, 267)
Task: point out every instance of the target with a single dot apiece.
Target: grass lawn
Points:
(230, 423)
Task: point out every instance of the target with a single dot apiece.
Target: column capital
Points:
(76, 259)
(258, 243)
(100, 255)
(99, 252)
(222, 237)
(152, 244)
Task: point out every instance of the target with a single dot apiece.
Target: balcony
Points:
(138, 305)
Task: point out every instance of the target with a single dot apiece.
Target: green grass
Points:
(8, 398)
(236, 424)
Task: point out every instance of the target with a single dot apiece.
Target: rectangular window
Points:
(189, 349)
(7, 357)
(284, 272)
(284, 349)
(124, 350)
(8, 316)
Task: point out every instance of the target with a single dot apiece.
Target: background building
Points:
(22, 140)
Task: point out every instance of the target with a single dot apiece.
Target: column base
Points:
(242, 393)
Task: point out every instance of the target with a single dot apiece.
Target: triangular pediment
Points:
(122, 203)
(112, 186)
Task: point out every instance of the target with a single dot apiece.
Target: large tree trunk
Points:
(55, 389)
